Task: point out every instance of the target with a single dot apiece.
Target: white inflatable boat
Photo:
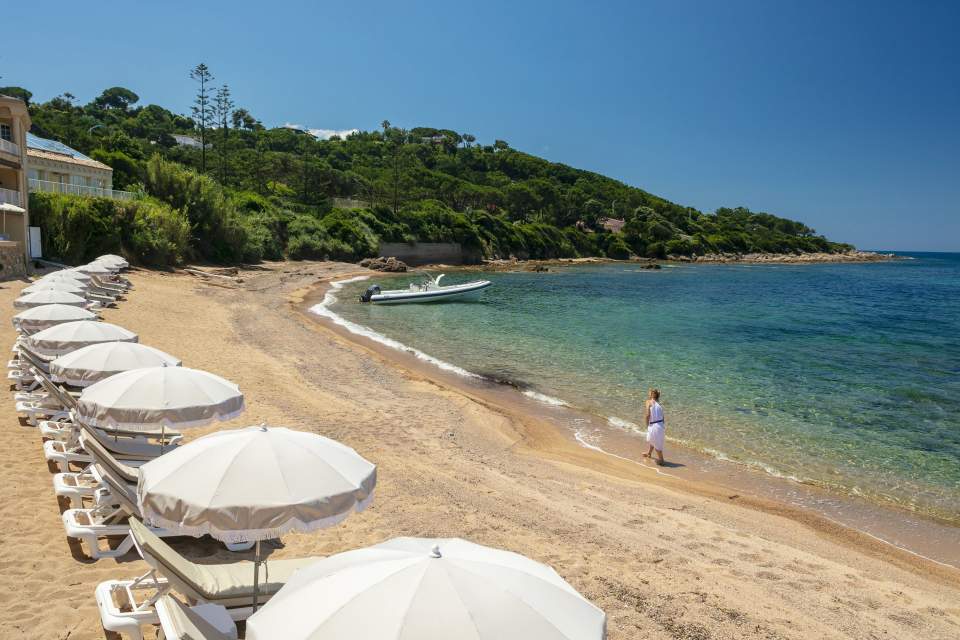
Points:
(429, 291)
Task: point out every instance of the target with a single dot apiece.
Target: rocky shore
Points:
(789, 258)
(515, 264)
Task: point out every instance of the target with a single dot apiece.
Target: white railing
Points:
(10, 197)
(79, 190)
(10, 147)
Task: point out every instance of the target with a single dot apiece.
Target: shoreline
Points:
(664, 557)
(849, 257)
(895, 528)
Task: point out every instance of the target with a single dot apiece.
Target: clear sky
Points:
(845, 115)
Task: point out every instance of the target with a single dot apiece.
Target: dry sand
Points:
(664, 560)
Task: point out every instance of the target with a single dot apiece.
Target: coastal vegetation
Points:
(220, 186)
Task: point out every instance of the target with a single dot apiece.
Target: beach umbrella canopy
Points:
(62, 284)
(91, 364)
(49, 315)
(49, 296)
(177, 397)
(427, 589)
(113, 260)
(69, 336)
(255, 483)
(69, 276)
(95, 269)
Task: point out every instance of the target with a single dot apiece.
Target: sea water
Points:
(845, 376)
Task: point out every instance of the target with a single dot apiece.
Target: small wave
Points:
(545, 399)
(753, 464)
(323, 309)
(626, 425)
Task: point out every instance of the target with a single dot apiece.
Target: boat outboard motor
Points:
(370, 292)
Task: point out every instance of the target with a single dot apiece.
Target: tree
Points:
(202, 109)
(500, 145)
(223, 108)
(468, 139)
(17, 92)
(241, 118)
(118, 98)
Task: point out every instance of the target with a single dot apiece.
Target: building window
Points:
(6, 133)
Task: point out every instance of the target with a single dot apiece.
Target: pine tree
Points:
(202, 109)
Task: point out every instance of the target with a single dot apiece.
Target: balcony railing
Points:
(10, 147)
(79, 190)
(10, 197)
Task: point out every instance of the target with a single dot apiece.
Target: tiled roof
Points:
(79, 159)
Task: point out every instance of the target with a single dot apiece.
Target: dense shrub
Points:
(618, 249)
(77, 229)
(216, 231)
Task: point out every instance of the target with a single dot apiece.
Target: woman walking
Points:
(653, 418)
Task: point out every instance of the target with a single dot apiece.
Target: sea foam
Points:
(323, 310)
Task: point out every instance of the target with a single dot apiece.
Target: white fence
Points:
(10, 197)
(10, 147)
(79, 190)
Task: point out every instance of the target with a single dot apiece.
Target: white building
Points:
(53, 166)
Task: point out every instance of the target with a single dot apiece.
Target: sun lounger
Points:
(115, 504)
(126, 605)
(202, 622)
(64, 454)
(77, 486)
(69, 431)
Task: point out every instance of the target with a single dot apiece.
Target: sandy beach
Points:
(665, 558)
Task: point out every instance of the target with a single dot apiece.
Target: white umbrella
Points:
(70, 286)
(95, 268)
(177, 397)
(74, 277)
(427, 589)
(254, 484)
(70, 336)
(70, 273)
(48, 315)
(111, 259)
(50, 296)
(91, 364)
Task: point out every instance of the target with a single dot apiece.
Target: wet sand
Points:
(664, 557)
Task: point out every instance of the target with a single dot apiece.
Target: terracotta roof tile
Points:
(49, 155)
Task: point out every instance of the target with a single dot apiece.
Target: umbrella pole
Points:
(163, 435)
(256, 575)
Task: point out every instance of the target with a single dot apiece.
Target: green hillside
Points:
(255, 193)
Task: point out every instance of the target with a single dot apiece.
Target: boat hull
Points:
(436, 295)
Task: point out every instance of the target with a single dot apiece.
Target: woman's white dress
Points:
(655, 430)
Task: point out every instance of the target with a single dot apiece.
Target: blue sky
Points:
(845, 115)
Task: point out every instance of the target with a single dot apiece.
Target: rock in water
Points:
(390, 264)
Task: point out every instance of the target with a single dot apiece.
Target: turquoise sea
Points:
(842, 375)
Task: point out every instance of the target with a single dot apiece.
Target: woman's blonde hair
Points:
(655, 393)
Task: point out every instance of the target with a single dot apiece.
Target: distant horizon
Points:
(822, 114)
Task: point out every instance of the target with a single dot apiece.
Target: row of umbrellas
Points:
(260, 482)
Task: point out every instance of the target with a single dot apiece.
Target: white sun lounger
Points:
(64, 454)
(127, 605)
(115, 504)
(78, 486)
(202, 622)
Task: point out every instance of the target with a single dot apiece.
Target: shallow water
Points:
(842, 375)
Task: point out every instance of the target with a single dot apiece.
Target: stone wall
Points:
(13, 263)
(429, 253)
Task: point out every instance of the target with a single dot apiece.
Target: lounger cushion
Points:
(180, 622)
(227, 584)
(107, 460)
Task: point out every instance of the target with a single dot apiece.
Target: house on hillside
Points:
(14, 246)
(613, 225)
(187, 141)
(54, 167)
